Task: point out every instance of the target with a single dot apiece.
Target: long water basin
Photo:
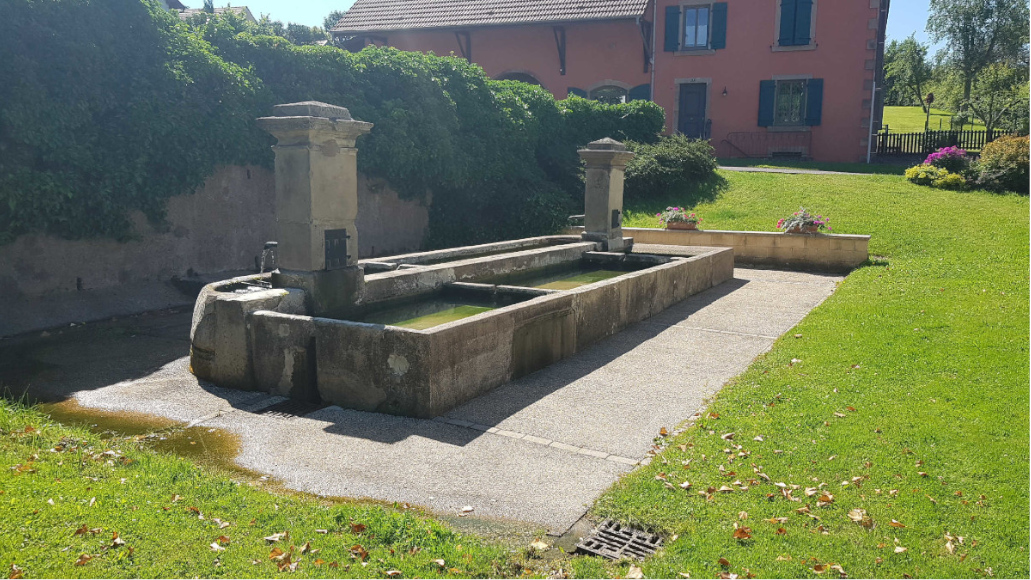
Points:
(449, 305)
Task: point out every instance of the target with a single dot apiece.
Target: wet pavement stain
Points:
(206, 446)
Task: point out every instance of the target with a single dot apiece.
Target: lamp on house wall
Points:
(724, 91)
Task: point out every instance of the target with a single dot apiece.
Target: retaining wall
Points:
(220, 227)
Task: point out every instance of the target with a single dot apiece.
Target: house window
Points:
(789, 103)
(696, 28)
(795, 22)
(608, 94)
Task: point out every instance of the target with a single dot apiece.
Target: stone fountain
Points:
(419, 334)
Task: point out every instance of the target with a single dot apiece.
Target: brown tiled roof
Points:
(386, 15)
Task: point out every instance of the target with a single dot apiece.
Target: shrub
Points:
(116, 106)
(951, 159)
(1004, 165)
(935, 177)
(674, 165)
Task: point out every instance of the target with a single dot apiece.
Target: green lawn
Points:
(911, 120)
(905, 395)
(878, 168)
(909, 384)
(66, 494)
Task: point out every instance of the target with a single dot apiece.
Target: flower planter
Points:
(803, 230)
(681, 226)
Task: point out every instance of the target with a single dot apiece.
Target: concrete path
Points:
(539, 449)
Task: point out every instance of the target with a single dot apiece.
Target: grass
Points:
(918, 364)
(58, 480)
(876, 168)
(905, 395)
(911, 120)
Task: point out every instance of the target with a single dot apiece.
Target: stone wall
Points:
(830, 252)
(220, 227)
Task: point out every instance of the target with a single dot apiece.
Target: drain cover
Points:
(290, 409)
(615, 541)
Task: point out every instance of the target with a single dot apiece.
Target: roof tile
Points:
(387, 15)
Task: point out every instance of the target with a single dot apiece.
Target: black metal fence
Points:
(888, 143)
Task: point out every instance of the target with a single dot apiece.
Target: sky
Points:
(904, 18)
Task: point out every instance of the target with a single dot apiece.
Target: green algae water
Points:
(568, 283)
(403, 316)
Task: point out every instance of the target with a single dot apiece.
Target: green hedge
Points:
(117, 106)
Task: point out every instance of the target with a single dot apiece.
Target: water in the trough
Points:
(423, 315)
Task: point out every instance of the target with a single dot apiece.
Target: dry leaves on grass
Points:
(743, 533)
(635, 573)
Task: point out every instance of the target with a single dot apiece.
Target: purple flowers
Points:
(951, 159)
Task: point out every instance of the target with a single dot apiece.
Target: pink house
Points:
(759, 78)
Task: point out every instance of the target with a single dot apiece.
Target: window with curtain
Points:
(789, 103)
(696, 27)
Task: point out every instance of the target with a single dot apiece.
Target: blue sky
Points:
(905, 18)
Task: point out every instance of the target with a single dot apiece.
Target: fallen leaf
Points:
(820, 568)
(216, 548)
(634, 573)
(275, 554)
(723, 562)
(727, 436)
(663, 432)
(781, 531)
(839, 415)
(359, 552)
(83, 559)
(275, 537)
(357, 528)
(743, 533)
(725, 489)
(539, 545)
(742, 515)
(439, 562)
(857, 515)
(393, 573)
(897, 524)
(786, 558)
(900, 549)
(777, 520)
(321, 531)
(685, 485)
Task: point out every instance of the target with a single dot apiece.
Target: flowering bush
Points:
(1004, 165)
(951, 159)
(935, 177)
(677, 215)
(802, 222)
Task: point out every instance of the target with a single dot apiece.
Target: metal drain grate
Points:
(290, 409)
(615, 541)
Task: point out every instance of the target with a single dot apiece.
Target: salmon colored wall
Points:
(840, 58)
(595, 52)
(601, 51)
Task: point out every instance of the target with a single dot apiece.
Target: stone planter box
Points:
(820, 252)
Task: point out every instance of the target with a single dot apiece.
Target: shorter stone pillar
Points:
(317, 203)
(605, 161)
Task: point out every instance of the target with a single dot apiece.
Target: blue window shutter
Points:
(767, 94)
(814, 102)
(803, 21)
(719, 26)
(575, 91)
(787, 22)
(640, 93)
(672, 43)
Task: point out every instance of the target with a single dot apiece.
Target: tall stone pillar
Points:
(605, 161)
(317, 203)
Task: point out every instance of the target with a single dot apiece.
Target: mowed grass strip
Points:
(73, 505)
(911, 120)
(903, 397)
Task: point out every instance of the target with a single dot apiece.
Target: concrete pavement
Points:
(539, 449)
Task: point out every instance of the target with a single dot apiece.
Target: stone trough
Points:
(420, 334)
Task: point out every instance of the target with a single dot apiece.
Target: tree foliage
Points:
(978, 33)
(909, 71)
(995, 94)
(117, 106)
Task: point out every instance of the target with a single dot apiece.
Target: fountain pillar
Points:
(317, 203)
(605, 161)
